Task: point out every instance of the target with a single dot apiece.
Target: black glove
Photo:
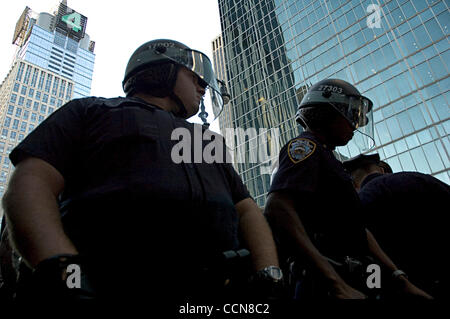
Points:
(60, 278)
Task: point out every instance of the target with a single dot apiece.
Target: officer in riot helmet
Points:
(95, 185)
(312, 207)
(153, 69)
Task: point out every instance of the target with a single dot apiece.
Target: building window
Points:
(16, 87)
(21, 100)
(41, 80)
(43, 108)
(69, 91)
(10, 109)
(26, 79)
(34, 78)
(30, 92)
(13, 98)
(45, 98)
(52, 101)
(36, 106)
(48, 83)
(15, 124)
(55, 69)
(20, 72)
(59, 39)
(38, 95)
(4, 133)
(55, 86)
(62, 88)
(6, 162)
(7, 121)
(33, 117)
(26, 114)
(28, 105)
(72, 45)
(23, 126)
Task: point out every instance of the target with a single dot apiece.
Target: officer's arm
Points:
(30, 205)
(257, 234)
(280, 210)
(402, 280)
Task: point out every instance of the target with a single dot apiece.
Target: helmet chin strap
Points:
(364, 148)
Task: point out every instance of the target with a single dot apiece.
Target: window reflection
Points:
(403, 69)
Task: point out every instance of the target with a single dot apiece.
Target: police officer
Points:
(96, 185)
(364, 167)
(404, 212)
(312, 206)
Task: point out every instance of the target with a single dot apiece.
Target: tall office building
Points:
(261, 84)
(54, 63)
(218, 53)
(395, 52)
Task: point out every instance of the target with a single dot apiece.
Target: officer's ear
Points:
(381, 169)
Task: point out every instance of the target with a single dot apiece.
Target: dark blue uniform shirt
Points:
(124, 195)
(406, 213)
(324, 196)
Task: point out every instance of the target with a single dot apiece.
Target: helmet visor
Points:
(200, 64)
(359, 113)
(356, 109)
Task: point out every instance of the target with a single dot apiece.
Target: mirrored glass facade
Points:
(396, 53)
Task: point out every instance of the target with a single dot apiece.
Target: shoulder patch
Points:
(300, 149)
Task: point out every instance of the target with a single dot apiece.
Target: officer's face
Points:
(188, 90)
(340, 131)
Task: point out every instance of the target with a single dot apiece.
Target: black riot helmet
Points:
(331, 95)
(154, 67)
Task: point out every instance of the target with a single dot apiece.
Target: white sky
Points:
(118, 28)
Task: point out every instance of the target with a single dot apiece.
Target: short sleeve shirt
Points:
(119, 159)
(324, 196)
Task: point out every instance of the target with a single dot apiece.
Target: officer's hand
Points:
(344, 291)
(409, 290)
(61, 278)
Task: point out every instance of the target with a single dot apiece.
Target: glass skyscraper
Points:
(51, 43)
(54, 64)
(218, 54)
(395, 52)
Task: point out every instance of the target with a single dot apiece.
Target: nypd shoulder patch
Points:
(300, 149)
